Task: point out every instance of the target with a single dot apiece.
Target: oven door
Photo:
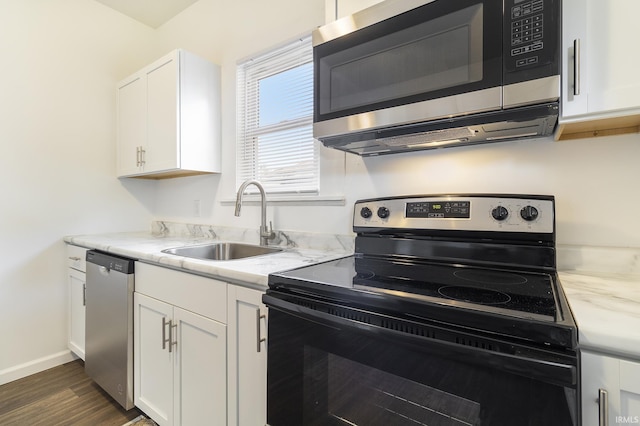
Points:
(334, 366)
(441, 59)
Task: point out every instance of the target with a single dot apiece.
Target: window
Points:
(275, 119)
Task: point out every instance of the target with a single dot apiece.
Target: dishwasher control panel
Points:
(111, 262)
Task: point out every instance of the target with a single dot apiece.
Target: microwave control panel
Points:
(531, 33)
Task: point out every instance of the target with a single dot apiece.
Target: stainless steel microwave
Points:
(404, 75)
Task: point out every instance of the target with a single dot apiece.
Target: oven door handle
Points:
(548, 370)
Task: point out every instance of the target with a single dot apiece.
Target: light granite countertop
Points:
(606, 308)
(298, 250)
(605, 304)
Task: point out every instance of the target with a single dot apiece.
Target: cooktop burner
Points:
(481, 296)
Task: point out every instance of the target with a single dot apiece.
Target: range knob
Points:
(383, 212)
(529, 213)
(366, 212)
(500, 213)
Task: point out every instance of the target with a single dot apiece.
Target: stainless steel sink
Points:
(222, 251)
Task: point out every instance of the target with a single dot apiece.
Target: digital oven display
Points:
(439, 209)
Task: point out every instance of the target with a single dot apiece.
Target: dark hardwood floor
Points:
(63, 395)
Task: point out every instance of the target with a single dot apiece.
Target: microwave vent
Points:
(460, 134)
(532, 121)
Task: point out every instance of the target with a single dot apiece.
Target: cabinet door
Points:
(606, 68)
(629, 392)
(153, 363)
(619, 379)
(163, 143)
(200, 370)
(132, 124)
(575, 78)
(247, 357)
(77, 286)
(598, 373)
(612, 66)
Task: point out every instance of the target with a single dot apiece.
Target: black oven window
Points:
(350, 393)
(329, 374)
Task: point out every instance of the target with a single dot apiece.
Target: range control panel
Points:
(497, 213)
(439, 209)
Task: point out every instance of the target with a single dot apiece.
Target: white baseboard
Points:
(28, 368)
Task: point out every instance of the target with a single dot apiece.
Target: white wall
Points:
(591, 178)
(60, 62)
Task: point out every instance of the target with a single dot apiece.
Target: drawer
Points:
(201, 295)
(77, 257)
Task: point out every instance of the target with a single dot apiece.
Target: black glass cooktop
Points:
(511, 303)
(505, 292)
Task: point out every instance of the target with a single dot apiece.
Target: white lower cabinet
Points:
(247, 357)
(179, 355)
(610, 390)
(77, 280)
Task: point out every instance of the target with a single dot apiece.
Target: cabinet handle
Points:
(169, 339)
(84, 295)
(142, 157)
(74, 258)
(603, 407)
(259, 339)
(576, 67)
(137, 156)
(172, 343)
(164, 334)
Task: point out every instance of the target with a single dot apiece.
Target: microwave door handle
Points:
(576, 67)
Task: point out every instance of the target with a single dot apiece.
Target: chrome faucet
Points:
(266, 234)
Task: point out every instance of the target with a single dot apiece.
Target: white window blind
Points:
(275, 118)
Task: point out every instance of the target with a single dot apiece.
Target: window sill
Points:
(291, 200)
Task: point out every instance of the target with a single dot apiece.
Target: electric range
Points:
(432, 276)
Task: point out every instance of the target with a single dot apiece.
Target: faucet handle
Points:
(267, 233)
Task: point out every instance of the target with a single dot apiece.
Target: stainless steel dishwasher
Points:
(109, 324)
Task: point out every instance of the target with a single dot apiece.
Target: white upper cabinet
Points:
(601, 90)
(336, 9)
(169, 118)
